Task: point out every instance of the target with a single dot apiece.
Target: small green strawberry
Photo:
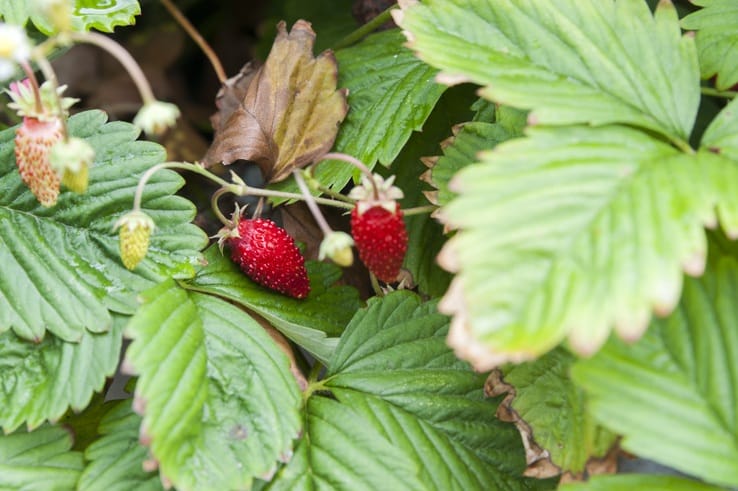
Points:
(135, 232)
(71, 160)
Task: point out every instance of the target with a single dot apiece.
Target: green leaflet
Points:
(565, 60)
(103, 15)
(717, 40)
(64, 261)
(168, 355)
(721, 136)
(425, 233)
(637, 481)
(38, 382)
(219, 403)
(468, 140)
(554, 408)
(312, 323)
(342, 451)
(573, 231)
(673, 395)
(115, 460)
(407, 414)
(39, 460)
(391, 93)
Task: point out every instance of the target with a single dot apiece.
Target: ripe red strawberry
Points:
(33, 141)
(268, 255)
(381, 239)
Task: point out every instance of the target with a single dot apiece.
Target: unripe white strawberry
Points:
(33, 141)
(42, 109)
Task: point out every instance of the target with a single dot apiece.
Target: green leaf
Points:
(721, 136)
(219, 403)
(39, 381)
(391, 93)
(168, 354)
(572, 231)
(40, 460)
(630, 482)
(553, 411)
(83, 424)
(115, 460)
(717, 40)
(425, 234)
(15, 11)
(103, 15)
(61, 266)
(462, 149)
(309, 322)
(569, 61)
(673, 395)
(393, 367)
(343, 451)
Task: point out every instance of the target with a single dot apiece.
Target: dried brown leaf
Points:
(537, 458)
(289, 110)
(540, 464)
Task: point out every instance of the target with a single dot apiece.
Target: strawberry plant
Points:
(477, 244)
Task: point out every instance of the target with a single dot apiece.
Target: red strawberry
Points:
(268, 255)
(381, 239)
(33, 141)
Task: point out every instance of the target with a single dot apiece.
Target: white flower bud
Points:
(156, 117)
(14, 48)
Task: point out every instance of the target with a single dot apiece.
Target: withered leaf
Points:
(289, 110)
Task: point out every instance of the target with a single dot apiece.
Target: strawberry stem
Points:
(419, 210)
(727, 94)
(366, 29)
(50, 75)
(34, 85)
(123, 56)
(375, 285)
(310, 202)
(199, 40)
(238, 188)
(335, 195)
(268, 193)
(356, 163)
(216, 208)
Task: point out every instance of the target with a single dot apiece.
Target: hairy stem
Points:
(269, 193)
(682, 145)
(366, 29)
(237, 189)
(50, 75)
(419, 210)
(375, 285)
(195, 35)
(198, 169)
(34, 85)
(123, 56)
(216, 208)
(727, 94)
(335, 195)
(349, 159)
(312, 205)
